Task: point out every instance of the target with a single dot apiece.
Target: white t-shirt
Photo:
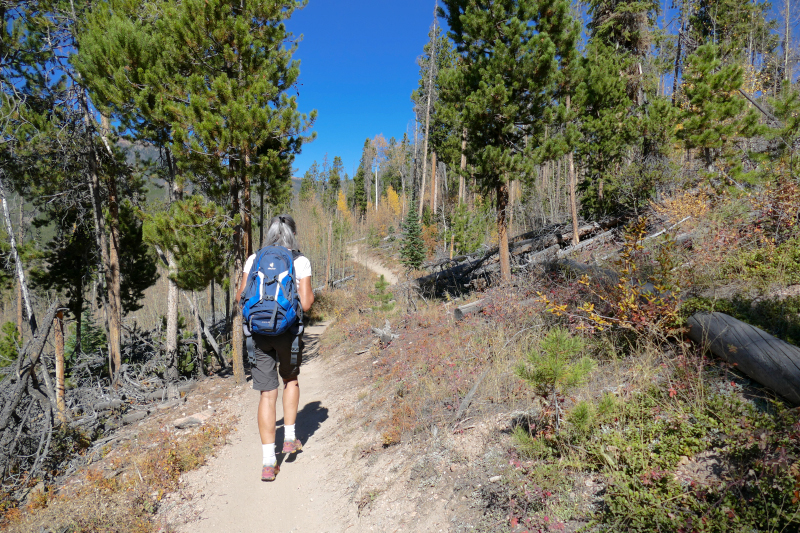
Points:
(302, 266)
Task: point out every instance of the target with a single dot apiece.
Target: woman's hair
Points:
(281, 232)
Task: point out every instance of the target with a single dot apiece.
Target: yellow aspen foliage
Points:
(393, 200)
(341, 202)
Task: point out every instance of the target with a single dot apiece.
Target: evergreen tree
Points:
(309, 183)
(360, 191)
(412, 248)
(334, 182)
(716, 114)
(503, 86)
(138, 269)
(231, 121)
(198, 234)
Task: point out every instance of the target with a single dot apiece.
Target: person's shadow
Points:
(309, 420)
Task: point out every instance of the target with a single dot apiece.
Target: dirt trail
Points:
(373, 264)
(312, 493)
(227, 494)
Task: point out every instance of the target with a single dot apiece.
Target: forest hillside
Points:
(593, 314)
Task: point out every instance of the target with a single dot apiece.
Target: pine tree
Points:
(554, 367)
(334, 182)
(412, 248)
(503, 86)
(359, 199)
(381, 296)
(716, 114)
(197, 233)
(229, 118)
(309, 183)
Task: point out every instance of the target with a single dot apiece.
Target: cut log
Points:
(757, 354)
(471, 308)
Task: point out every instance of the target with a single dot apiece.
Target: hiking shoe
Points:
(292, 446)
(268, 473)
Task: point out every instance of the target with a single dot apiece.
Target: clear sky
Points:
(358, 69)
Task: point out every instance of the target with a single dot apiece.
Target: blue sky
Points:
(358, 69)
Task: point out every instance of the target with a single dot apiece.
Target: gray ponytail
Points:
(282, 230)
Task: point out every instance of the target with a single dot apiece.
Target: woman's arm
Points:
(306, 293)
(241, 287)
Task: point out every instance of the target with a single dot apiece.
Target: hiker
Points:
(272, 354)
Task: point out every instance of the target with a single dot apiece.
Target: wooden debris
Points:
(757, 354)
(465, 310)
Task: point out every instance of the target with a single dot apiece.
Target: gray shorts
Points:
(274, 356)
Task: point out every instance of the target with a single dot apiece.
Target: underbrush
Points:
(689, 454)
(126, 494)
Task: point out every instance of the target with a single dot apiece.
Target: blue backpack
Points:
(270, 301)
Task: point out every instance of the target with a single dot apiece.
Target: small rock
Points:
(168, 405)
(135, 416)
(453, 468)
(194, 420)
(495, 479)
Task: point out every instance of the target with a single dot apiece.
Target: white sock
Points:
(288, 433)
(268, 450)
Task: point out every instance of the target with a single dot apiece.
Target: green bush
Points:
(768, 264)
(638, 447)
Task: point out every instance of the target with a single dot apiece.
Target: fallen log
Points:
(542, 248)
(765, 359)
(471, 308)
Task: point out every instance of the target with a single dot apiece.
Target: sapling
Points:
(554, 366)
(383, 298)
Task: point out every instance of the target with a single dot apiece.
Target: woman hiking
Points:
(273, 353)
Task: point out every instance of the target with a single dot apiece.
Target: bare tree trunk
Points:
(786, 40)
(678, 53)
(239, 250)
(328, 262)
(502, 231)
(173, 351)
(573, 203)
(211, 299)
(20, 316)
(431, 68)
(260, 218)
(198, 331)
(17, 261)
(171, 372)
(433, 183)
(58, 328)
(461, 178)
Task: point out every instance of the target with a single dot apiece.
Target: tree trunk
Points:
(573, 202)
(20, 316)
(431, 68)
(239, 250)
(676, 70)
(211, 299)
(502, 231)
(762, 357)
(260, 219)
(433, 183)
(173, 350)
(328, 262)
(171, 372)
(17, 261)
(198, 331)
(462, 180)
(58, 327)
(115, 292)
(786, 40)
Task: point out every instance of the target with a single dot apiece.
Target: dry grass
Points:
(124, 493)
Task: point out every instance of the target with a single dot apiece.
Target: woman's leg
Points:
(266, 415)
(291, 400)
